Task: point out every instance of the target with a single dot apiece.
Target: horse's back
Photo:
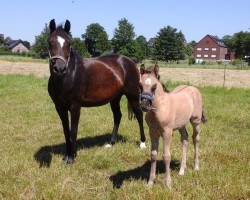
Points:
(107, 77)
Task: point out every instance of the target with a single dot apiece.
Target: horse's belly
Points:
(100, 96)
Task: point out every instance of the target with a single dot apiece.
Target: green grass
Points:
(32, 146)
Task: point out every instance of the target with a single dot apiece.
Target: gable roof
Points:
(12, 43)
(218, 41)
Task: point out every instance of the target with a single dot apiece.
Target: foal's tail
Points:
(203, 117)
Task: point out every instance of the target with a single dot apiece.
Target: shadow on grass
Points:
(44, 155)
(140, 173)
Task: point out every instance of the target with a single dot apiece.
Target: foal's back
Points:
(187, 102)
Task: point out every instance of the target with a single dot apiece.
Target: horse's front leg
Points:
(154, 151)
(63, 114)
(167, 139)
(75, 116)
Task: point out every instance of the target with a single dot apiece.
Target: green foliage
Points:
(96, 38)
(32, 147)
(169, 44)
(240, 43)
(40, 48)
(191, 61)
(80, 47)
(123, 37)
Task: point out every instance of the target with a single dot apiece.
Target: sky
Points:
(25, 19)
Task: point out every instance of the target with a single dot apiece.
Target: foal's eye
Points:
(154, 88)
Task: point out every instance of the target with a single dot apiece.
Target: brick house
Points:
(211, 48)
(17, 46)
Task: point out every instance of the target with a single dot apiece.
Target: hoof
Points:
(150, 183)
(181, 172)
(143, 145)
(68, 159)
(108, 145)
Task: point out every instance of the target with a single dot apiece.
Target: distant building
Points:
(17, 46)
(151, 43)
(211, 48)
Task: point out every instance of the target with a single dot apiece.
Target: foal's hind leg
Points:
(117, 115)
(184, 141)
(196, 132)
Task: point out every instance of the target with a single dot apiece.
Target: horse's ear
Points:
(67, 26)
(52, 25)
(142, 69)
(156, 70)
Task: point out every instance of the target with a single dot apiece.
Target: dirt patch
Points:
(198, 77)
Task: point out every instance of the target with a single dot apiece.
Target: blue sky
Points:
(25, 19)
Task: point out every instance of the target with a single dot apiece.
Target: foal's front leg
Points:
(167, 139)
(154, 150)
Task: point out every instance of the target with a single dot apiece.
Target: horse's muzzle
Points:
(59, 70)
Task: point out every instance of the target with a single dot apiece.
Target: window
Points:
(199, 49)
(213, 49)
(213, 56)
(206, 49)
(205, 56)
(207, 42)
(198, 55)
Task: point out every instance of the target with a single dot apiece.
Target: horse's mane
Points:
(60, 31)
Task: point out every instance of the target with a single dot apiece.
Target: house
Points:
(17, 46)
(151, 43)
(211, 48)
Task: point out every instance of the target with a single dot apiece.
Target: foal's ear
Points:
(156, 70)
(52, 25)
(142, 69)
(67, 26)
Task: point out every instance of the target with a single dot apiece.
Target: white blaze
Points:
(60, 40)
(148, 81)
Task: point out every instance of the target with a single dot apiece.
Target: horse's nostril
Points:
(56, 69)
(63, 70)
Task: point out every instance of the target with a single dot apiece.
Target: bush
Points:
(203, 62)
(191, 61)
(219, 62)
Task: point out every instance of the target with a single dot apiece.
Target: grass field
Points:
(32, 146)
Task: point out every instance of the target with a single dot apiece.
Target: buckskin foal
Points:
(166, 112)
(77, 82)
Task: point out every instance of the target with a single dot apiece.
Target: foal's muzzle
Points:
(146, 101)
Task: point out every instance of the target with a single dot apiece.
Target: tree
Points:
(123, 37)
(239, 42)
(96, 38)
(169, 44)
(189, 49)
(41, 44)
(80, 47)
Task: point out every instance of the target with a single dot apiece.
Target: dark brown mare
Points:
(77, 82)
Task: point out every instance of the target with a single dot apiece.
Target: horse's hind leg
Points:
(184, 141)
(117, 115)
(135, 105)
(196, 132)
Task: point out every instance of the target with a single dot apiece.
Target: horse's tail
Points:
(203, 117)
(131, 114)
